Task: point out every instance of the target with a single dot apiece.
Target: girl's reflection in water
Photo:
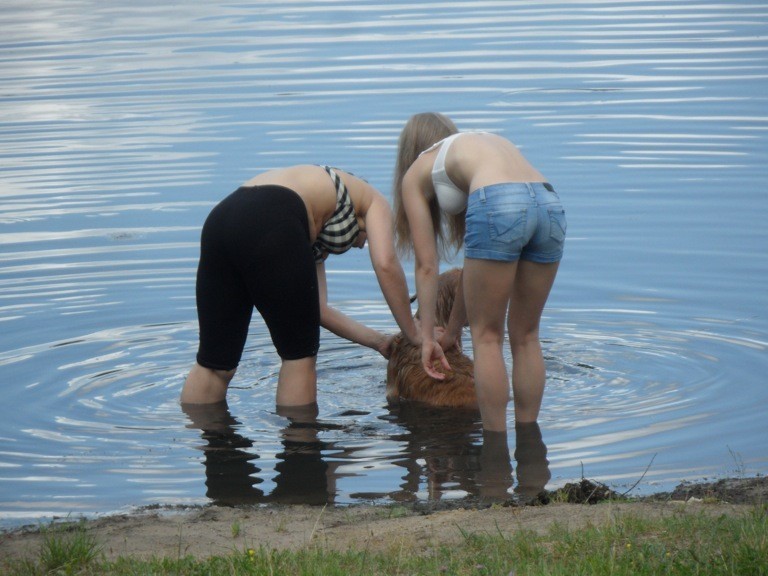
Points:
(232, 477)
(449, 449)
(445, 452)
(532, 464)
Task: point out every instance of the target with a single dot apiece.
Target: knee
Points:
(523, 338)
(487, 336)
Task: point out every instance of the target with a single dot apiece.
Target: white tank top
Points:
(450, 197)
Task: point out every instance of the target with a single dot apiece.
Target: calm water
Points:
(122, 125)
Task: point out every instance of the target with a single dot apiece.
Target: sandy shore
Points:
(211, 530)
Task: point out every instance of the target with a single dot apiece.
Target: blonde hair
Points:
(419, 133)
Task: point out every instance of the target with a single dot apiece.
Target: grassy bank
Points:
(685, 543)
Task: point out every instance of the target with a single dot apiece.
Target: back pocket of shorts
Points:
(507, 226)
(558, 225)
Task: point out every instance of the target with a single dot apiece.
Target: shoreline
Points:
(207, 530)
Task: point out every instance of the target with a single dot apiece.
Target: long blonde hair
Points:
(419, 133)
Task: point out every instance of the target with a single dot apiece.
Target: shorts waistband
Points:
(530, 188)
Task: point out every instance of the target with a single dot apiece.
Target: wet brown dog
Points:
(406, 379)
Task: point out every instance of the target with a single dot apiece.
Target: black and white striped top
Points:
(341, 230)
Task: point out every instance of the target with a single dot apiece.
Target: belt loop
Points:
(481, 191)
(531, 191)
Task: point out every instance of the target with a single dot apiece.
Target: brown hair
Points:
(419, 133)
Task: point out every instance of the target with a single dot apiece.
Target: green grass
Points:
(66, 549)
(685, 544)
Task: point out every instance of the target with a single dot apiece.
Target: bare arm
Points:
(427, 267)
(344, 326)
(458, 319)
(389, 271)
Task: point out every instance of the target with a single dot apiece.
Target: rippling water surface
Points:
(122, 125)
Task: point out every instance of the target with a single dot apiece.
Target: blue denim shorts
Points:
(516, 220)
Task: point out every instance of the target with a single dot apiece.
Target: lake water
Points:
(123, 123)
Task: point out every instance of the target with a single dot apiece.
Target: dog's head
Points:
(447, 284)
(406, 378)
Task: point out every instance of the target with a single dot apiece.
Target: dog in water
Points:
(406, 379)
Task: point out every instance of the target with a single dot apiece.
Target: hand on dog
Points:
(384, 346)
(432, 355)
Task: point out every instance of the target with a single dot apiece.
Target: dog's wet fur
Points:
(406, 379)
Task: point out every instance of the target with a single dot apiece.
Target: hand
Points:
(384, 346)
(432, 352)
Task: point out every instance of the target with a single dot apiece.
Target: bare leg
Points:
(206, 386)
(297, 383)
(487, 288)
(531, 289)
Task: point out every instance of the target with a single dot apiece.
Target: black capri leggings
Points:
(255, 251)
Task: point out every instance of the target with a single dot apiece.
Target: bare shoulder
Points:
(363, 193)
(352, 180)
(419, 175)
(381, 204)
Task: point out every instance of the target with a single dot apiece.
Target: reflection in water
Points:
(532, 464)
(446, 449)
(303, 476)
(232, 477)
(230, 474)
(450, 452)
(439, 448)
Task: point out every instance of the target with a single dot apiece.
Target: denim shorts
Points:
(516, 220)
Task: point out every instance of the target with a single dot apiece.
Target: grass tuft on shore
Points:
(682, 543)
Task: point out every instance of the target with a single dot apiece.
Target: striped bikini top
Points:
(341, 230)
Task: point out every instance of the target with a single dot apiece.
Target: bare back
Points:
(481, 159)
(317, 190)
